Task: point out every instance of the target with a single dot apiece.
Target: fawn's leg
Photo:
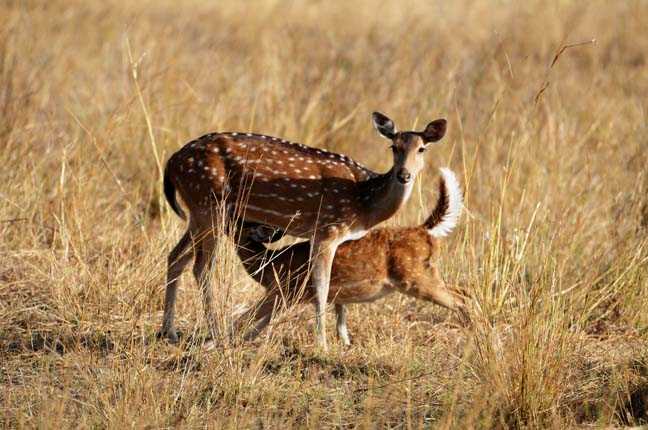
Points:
(460, 297)
(340, 312)
(202, 270)
(259, 316)
(176, 262)
(434, 290)
(322, 253)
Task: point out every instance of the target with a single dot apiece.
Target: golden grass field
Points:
(553, 245)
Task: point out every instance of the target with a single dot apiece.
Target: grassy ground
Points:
(552, 152)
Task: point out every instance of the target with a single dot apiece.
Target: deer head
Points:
(408, 146)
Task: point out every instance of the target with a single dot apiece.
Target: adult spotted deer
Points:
(364, 270)
(306, 192)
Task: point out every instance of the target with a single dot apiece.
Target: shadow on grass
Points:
(302, 364)
(190, 355)
(61, 344)
(634, 409)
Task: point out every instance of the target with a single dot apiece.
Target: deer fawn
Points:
(364, 270)
(304, 191)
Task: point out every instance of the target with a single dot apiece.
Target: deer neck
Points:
(384, 195)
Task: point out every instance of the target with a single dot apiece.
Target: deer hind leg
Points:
(341, 325)
(178, 259)
(202, 270)
(322, 253)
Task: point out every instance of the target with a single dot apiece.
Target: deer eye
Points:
(421, 149)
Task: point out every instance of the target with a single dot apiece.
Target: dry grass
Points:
(95, 95)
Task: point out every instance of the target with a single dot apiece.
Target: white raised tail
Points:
(446, 214)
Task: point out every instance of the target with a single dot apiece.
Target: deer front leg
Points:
(176, 262)
(343, 334)
(322, 255)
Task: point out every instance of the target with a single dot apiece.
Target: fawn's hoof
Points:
(171, 336)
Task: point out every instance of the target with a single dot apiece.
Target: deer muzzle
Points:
(404, 176)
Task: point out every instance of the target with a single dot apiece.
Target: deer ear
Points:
(384, 125)
(434, 131)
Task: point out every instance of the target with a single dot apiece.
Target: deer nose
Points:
(403, 176)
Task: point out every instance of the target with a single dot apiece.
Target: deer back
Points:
(274, 181)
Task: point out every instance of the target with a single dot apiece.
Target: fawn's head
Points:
(259, 233)
(408, 146)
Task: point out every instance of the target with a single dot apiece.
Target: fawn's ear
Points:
(384, 125)
(277, 234)
(434, 131)
(267, 234)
